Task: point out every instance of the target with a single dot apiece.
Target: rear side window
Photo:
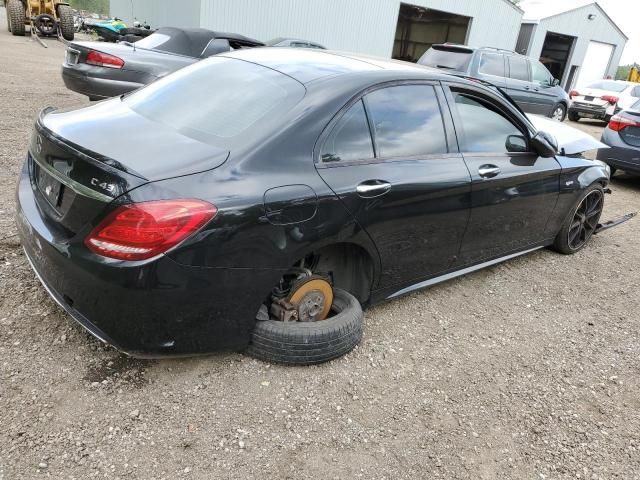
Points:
(484, 129)
(406, 121)
(518, 68)
(636, 92)
(350, 139)
(540, 74)
(492, 64)
(448, 59)
(217, 99)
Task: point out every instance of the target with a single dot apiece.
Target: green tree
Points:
(94, 6)
(623, 71)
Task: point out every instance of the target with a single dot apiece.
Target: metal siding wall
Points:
(158, 13)
(363, 26)
(577, 25)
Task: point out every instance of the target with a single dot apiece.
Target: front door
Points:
(514, 191)
(391, 158)
(545, 92)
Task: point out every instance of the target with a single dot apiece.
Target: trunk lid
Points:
(81, 160)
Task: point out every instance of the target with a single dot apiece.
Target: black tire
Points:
(67, 28)
(559, 106)
(308, 343)
(16, 16)
(573, 116)
(132, 31)
(613, 171)
(561, 243)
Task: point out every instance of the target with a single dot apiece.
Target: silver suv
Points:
(524, 79)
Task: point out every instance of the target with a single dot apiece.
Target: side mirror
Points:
(215, 46)
(555, 82)
(516, 143)
(545, 144)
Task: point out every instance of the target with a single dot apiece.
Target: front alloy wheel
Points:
(585, 220)
(582, 223)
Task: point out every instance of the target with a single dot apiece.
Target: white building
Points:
(375, 27)
(578, 45)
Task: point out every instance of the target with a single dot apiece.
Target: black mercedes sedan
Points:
(257, 199)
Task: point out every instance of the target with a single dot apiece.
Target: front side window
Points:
(540, 74)
(492, 64)
(518, 68)
(406, 121)
(350, 139)
(485, 130)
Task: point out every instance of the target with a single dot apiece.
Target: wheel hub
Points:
(312, 298)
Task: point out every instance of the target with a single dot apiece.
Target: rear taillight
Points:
(143, 230)
(104, 60)
(573, 93)
(610, 98)
(618, 123)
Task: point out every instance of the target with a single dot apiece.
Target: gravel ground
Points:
(527, 370)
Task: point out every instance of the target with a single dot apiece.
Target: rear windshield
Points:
(610, 86)
(449, 59)
(218, 99)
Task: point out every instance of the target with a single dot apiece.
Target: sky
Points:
(625, 14)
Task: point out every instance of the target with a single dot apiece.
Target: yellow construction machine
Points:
(47, 17)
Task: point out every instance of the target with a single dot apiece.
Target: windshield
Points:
(446, 58)
(218, 99)
(609, 86)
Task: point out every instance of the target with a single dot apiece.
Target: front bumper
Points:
(85, 82)
(145, 309)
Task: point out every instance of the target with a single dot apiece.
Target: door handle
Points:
(373, 188)
(488, 171)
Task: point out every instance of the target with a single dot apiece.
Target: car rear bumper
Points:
(591, 112)
(95, 87)
(627, 159)
(149, 309)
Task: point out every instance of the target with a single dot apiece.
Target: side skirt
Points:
(458, 273)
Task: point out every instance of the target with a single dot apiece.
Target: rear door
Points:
(519, 83)
(391, 157)
(514, 191)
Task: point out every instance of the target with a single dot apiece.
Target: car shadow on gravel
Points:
(119, 368)
(626, 180)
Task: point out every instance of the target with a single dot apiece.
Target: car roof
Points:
(306, 65)
(192, 41)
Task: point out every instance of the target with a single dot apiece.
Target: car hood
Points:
(571, 141)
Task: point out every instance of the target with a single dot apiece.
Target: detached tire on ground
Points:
(307, 343)
(16, 15)
(65, 16)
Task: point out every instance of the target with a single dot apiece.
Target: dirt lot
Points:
(528, 370)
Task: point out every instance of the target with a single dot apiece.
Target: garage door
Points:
(596, 61)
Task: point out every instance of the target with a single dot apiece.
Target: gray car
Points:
(102, 70)
(524, 79)
(623, 137)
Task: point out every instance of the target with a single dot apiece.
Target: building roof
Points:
(537, 10)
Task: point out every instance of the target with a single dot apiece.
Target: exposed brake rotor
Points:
(309, 299)
(312, 296)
